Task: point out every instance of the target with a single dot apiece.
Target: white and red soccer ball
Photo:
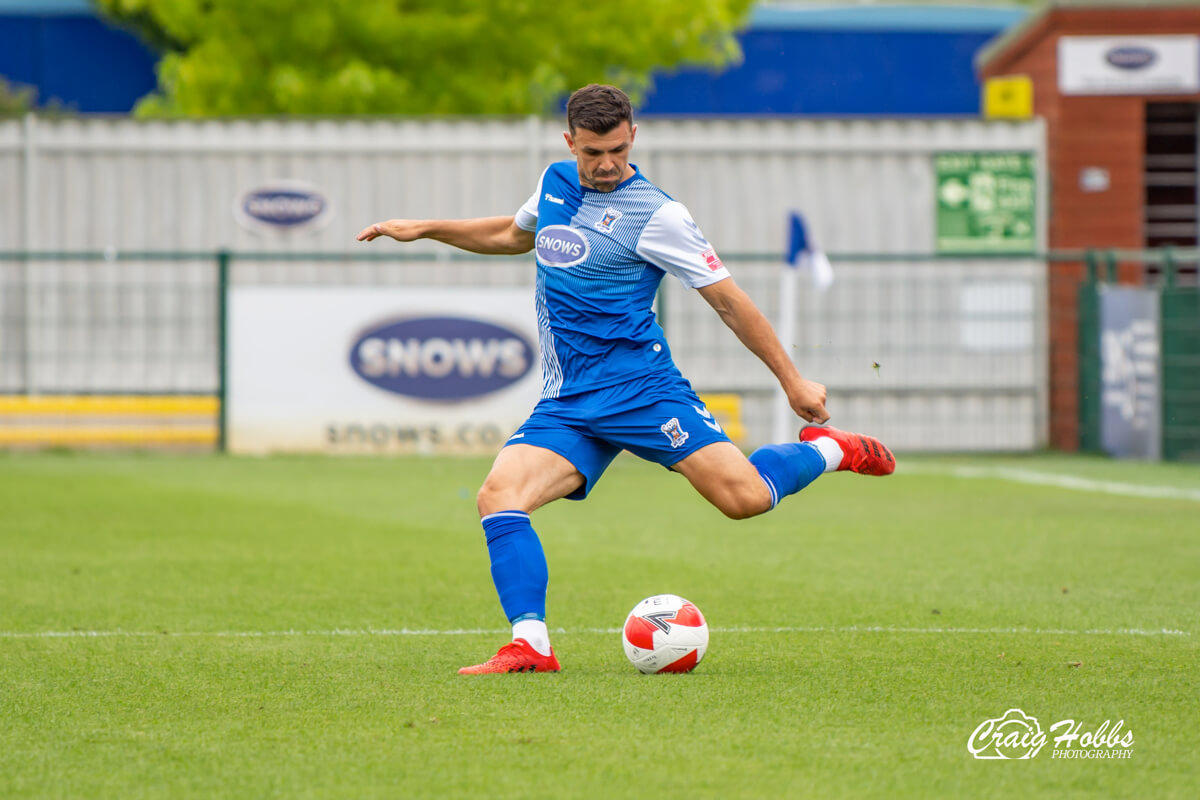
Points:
(665, 633)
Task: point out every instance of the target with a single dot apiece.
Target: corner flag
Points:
(804, 253)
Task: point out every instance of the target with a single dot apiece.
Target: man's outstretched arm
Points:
(487, 235)
(752, 328)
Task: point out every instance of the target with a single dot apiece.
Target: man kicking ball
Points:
(604, 237)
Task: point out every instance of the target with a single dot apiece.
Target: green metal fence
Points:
(108, 298)
(1173, 274)
(1181, 373)
(138, 337)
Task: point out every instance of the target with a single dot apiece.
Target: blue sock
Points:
(787, 468)
(518, 565)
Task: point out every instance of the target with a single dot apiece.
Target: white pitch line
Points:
(1075, 482)
(498, 632)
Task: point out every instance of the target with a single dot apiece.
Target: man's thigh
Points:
(723, 475)
(526, 477)
(561, 427)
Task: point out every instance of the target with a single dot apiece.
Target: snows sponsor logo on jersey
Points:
(712, 259)
(605, 224)
(560, 246)
(441, 358)
(674, 432)
(555, 200)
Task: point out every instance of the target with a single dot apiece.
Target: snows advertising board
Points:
(388, 370)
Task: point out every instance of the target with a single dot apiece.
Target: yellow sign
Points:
(727, 411)
(1008, 97)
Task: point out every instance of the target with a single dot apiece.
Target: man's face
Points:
(603, 158)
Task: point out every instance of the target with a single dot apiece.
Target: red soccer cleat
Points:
(865, 455)
(516, 656)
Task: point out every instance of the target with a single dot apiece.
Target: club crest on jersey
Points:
(605, 224)
(560, 246)
(674, 432)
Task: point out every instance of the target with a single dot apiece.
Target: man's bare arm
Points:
(487, 235)
(737, 310)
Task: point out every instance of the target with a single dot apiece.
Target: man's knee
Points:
(743, 502)
(492, 497)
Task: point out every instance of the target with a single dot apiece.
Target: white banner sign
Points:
(1129, 64)
(390, 370)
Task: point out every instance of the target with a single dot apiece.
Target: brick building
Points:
(1119, 86)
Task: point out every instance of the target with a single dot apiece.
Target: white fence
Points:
(960, 344)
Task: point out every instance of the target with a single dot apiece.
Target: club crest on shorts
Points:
(674, 432)
(611, 215)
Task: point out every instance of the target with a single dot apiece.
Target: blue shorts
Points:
(655, 418)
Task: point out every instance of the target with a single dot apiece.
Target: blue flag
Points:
(803, 253)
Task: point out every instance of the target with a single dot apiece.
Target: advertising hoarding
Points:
(379, 370)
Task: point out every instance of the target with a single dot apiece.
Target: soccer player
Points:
(604, 237)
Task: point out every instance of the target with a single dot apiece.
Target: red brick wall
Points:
(1085, 131)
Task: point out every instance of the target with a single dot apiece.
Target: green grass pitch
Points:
(291, 627)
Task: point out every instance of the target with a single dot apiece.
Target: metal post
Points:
(223, 258)
(1089, 262)
(783, 419)
(533, 143)
(28, 236)
(1168, 265)
(1110, 266)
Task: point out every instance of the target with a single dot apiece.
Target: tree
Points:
(14, 99)
(231, 57)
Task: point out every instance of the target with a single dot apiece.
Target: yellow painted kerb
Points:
(98, 435)
(108, 405)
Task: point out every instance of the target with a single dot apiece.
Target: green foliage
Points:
(17, 99)
(227, 57)
(14, 99)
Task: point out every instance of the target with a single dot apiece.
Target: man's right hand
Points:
(402, 230)
(807, 399)
(494, 236)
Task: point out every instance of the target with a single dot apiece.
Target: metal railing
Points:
(152, 324)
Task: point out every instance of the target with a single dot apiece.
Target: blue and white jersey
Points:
(600, 259)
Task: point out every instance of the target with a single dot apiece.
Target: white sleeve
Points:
(527, 215)
(672, 241)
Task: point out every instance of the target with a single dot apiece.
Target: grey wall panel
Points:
(864, 185)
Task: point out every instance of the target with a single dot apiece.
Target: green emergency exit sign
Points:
(985, 202)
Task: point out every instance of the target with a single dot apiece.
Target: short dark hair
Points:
(598, 108)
